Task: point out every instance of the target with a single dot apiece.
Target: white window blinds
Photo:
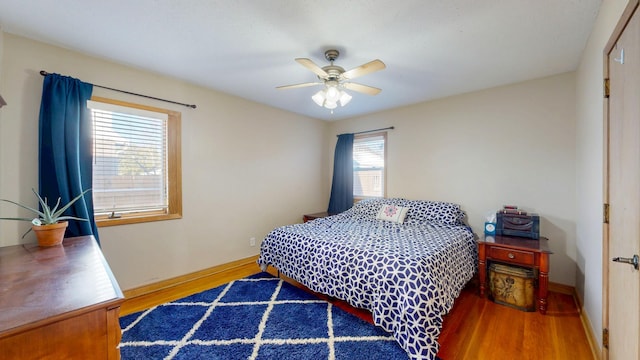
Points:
(130, 159)
(368, 165)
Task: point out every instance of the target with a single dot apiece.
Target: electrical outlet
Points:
(252, 241)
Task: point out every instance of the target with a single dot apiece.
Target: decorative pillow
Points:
(392, 213)
(371, 206)
(435, 211)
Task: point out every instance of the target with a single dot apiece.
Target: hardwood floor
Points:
(476, 328)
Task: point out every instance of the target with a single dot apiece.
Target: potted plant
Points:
(49, 225)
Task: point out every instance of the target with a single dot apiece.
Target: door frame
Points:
(631, 7)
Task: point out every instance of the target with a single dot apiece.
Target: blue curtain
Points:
(342, 185)
(65, 152)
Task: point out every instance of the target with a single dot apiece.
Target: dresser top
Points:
(40, 284)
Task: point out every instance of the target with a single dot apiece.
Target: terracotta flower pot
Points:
(50, 235)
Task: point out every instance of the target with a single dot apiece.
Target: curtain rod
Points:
(368, 131)
(44, 73)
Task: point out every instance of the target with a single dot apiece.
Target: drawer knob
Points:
(511, 256)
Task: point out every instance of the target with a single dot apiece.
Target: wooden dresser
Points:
(59, 302)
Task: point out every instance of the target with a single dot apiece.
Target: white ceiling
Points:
(432, 48)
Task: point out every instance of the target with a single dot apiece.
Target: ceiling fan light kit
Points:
(335, 79)
(330, 96)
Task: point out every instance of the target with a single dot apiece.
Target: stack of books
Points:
(512, 210)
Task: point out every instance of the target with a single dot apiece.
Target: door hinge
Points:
(606, 88)
(605, 213)
(605, 338)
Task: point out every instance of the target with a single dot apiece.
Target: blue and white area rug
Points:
(259, 317)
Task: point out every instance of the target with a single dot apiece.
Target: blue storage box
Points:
(522, 225)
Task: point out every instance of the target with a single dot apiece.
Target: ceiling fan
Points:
(335, 80)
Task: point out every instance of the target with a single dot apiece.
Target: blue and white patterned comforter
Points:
(408, 275)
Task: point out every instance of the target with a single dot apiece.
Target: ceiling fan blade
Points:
(365, 89)
(298, 85)
(368, 68)
(313, 67)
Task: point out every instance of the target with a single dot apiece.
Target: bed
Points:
(407, 272)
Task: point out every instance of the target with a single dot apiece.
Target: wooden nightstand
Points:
(531, 253)
(309, 217)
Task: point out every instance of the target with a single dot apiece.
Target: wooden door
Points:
(622, 188)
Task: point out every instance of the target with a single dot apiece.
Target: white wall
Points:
(246, 168)
(589, 170)
(508, 145)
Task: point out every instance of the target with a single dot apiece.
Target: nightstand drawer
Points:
(518, 256)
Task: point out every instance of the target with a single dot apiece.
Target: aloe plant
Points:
(48, 215)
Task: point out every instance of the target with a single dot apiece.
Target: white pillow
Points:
(392, 213)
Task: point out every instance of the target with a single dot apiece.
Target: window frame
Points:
(383, 134)
(174, 170)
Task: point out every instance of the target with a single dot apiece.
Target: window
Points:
(369, 157)
(136, 167)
